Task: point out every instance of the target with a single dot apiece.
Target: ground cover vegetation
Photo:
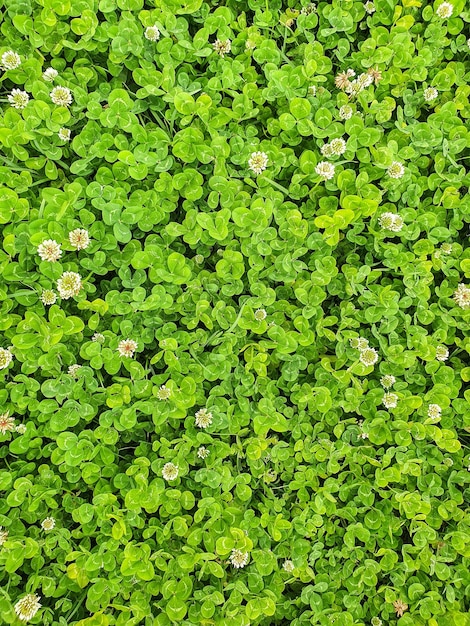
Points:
(235, 303)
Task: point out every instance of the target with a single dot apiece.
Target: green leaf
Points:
(300, 107)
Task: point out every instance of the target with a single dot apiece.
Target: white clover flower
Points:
(448, 461)
(27, 607)
(203, 418)
(48, 297)
(325, 170)
(462, 296)
(170, 471)
(338, 146)
(18, 98)
(260, 315)
(362, 343)
(288, 566)
(368, 356)
(376, 74)
(468, 42)
(21, 429)
(390, 400)
(364, 435)
(308, 9)
(312, 91)
(203, 452)
(388, 381)
(391, 221)
(365, 80)
(445, 10)
(400, 607)
(342, 79)
(446, 248)
(376, 621)
(258, 162)
(250, 44)
(238, 558)
(199, 259)
(326, 150)
(434, 411)
(10, 60)
(48, 523)
(69, 284)
(369, 7)
(64, 134)
(359, 343)
(355, 87)
(99, 337)
(397, 224)
(127, 347)
(50, 74)
(79, 238)
(49, 250)
(442, 353)
(62, 96)
(222, 47)
(74, 369)
(345, 112)
(3, 535)
(163, 393)
(152, 33)
(7, 423)
(6, 358)
(430, 93)
(396, 170)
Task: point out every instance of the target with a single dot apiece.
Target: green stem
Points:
(275, 184)
(198, 361)
(234, 325)
(76, 607)
(13, 166)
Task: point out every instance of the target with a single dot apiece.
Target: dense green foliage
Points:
(311, 489)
